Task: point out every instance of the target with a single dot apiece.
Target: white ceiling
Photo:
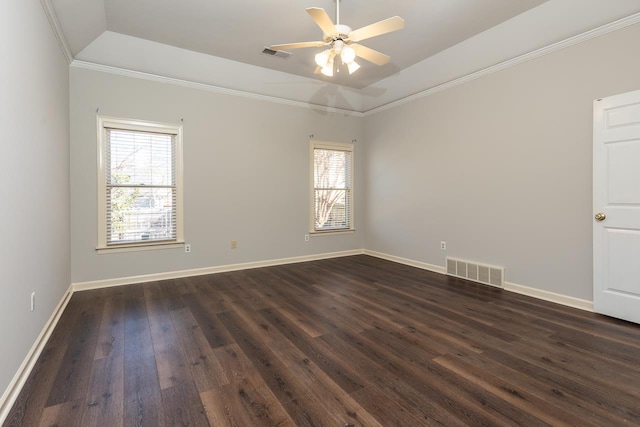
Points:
(442, 40)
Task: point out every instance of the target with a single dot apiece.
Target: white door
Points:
(616, 204)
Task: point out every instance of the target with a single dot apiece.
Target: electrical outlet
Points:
(234, 244)
(187, 248)
(443, 246)
(33, 301)
(306, 237)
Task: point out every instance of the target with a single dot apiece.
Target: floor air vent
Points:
(482, 273)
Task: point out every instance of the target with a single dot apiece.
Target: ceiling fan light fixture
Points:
(338, 37)
(322, 58)
(348, 55)
(353, 66)
(327, 70)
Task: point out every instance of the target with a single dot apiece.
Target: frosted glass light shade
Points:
(353, 67)
(348, 55)
(322, 58)
(327, 70)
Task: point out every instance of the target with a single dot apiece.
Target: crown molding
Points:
(209, 88)
(571, 41)
(57, 30)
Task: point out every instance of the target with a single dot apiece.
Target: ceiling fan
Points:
(342, 41)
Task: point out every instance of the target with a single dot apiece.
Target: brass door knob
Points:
(600, 217)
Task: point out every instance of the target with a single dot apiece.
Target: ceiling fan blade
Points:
(370, 54)
(296, 45)
(323, 21)
(382, 27)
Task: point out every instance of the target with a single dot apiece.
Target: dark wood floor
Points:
(341, 342)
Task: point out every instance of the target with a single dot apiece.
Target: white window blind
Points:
(332, 187)
(140, 184)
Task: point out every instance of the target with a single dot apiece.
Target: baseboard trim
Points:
(406, 261)
(97, 284)
(20, 378)
(567, 300)
(561, 299)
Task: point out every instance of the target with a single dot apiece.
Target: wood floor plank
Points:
(111, 333)
(402, 343)
(351, 341)
(622, 405)
(587, 369)
(323, 357)
(170, 358)
(486, 391)
(246, 400)
(66, 414)
(242, 403)
(399, 376)
(364, 356)
(307, 384)
(142, 398)
(181, 406)
(526, 392)
(104, 404)
(72, 380)
(286, 297)
(206, 292)
(205, 368)
(205, 314)
(224, 409)
(388, 411)
(265, 362)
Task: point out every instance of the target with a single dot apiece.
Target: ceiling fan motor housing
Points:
(343, 32)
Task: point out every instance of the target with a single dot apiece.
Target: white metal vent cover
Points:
(481, 273)
(278, 53)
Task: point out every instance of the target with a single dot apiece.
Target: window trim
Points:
(104, 122)
(338, 146)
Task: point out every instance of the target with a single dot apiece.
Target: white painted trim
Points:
(333, 146)
(561, 299)
(15, 386)
(57, 30)
(580, 38)
(106, 283)
(104, 122)
(138, 247)
(206, 87)
(406, 261)
(569, 301)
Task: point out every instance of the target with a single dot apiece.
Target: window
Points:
(140, 184)
(332, 192)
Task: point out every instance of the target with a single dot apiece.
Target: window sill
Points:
(316, 233)
(136, 247)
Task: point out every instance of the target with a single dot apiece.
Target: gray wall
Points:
(500, 167)
(246, 175)
(34, 171)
